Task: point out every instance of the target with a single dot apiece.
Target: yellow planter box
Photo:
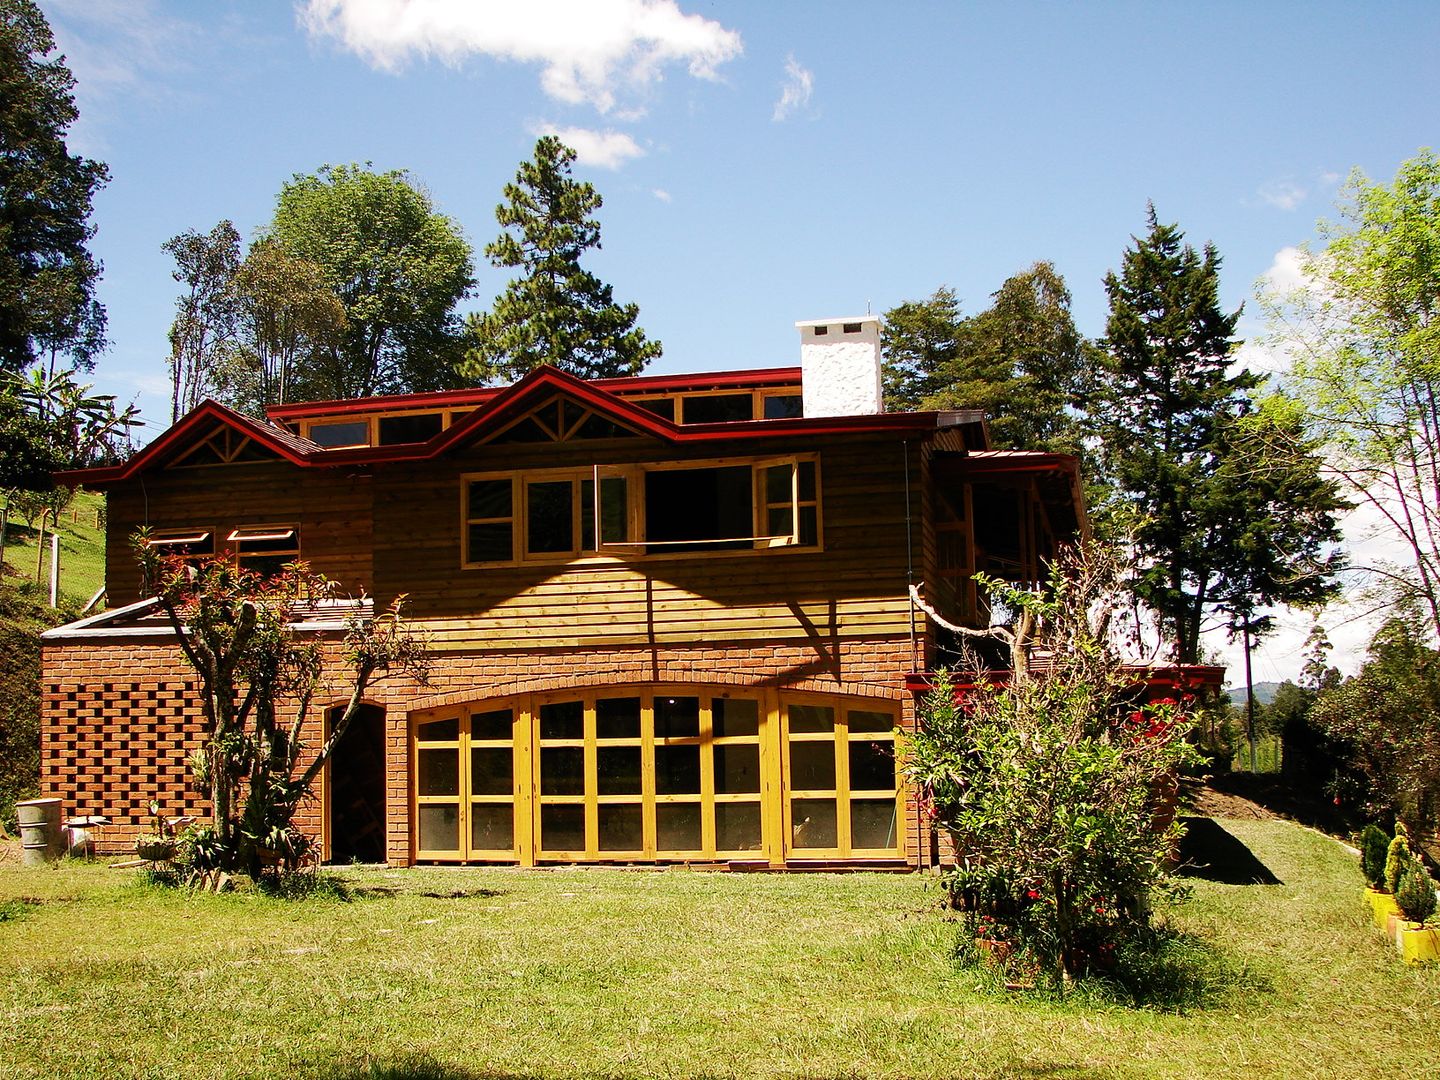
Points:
(1419, 945)
(1382, 906)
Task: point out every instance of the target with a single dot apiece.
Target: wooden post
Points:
(1249, 699)
(4, 524)
(55, 569)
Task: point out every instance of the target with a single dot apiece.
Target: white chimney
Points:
(840, 366)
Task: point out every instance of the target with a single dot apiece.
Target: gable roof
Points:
(496, 410)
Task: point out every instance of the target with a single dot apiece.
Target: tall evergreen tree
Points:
(47, 274)
(555, 312)
(1236, 516)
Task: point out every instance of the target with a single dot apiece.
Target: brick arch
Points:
(670, 673)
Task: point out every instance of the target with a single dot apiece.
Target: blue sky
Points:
(760, 162)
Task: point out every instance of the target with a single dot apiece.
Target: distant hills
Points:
(1264, 693)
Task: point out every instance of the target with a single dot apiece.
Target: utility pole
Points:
(1249, 699)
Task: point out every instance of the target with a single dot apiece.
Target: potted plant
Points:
(1374, 846)
(1415, 894)
(159, 844)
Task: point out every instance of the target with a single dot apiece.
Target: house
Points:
(670, 616)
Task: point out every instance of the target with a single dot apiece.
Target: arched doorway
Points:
(356, 788)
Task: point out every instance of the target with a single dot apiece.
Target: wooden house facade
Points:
(670, 617)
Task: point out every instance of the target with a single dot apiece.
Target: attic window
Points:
(409, 427)
(265, 549)
(821, 331)
(333, 436)
(186, 543)
(851, 328)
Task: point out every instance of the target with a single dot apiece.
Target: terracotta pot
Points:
(155, 849)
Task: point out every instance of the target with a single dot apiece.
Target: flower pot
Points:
(993, 953)
(1419, 944)
(155, 849)
(1382, 906)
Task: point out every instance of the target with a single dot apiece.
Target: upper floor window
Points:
(553, 515)
(265, 549)
(189, 544)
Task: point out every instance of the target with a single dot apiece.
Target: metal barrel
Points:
(40, 837)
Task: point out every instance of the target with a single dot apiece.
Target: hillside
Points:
(1264, 693)
(82, 551)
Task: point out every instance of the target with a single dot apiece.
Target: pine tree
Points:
(1235, 513)
(556, 312)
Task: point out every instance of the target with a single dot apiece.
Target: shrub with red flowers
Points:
(1051, 785)
(258, 679)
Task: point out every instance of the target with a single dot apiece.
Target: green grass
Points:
(504, 973)
(82, 551)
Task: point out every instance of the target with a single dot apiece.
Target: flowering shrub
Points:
(1054, 787)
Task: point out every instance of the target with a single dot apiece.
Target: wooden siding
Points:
(855, 586)
(332, 509)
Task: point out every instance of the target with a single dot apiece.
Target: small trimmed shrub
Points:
(1397, 858)
(1416, 893)
(1374, 846)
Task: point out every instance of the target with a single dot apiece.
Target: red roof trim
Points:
(183, 431)
(1169, 677)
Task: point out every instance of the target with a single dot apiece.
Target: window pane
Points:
(659, 406)
(491, 771)
(490, 543)
(807, 480)
(784, 406)
(409, 429)
(779, 521)
(562, 770)
(562, 720)
(812, 823)
(872, 765)
(614, 511)
(677, 770)
(809, 525)
(353, 433)
(737, 768)
(812, 766)
(737, 826)
(716, 408)
(699, 504)
(439, 730)
(491, 725)
(551, 521)
(872, 823)
(808, 718)
(777, 483)
(621, 827)
(562, 828)
(439, 772)
(677, 717)
(860, 720)
(440, 828)
(677, 827)
(618, 770)
(492, 827)
(617, 718)
(490, 499)
(735, 716)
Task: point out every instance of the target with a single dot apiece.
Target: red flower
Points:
(1033, 895)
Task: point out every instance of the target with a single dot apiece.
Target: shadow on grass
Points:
(1168, 971)
(1208, 851)
(14, 910)
(419, 1068)
(385, 892)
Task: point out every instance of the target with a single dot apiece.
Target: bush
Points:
(1397, 858)
(1374, 845)
(1416, 893)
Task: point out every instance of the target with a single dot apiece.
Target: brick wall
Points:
(120, 716)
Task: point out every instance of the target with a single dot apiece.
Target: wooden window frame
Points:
(637, 545)
(159, 538)
(233, 539)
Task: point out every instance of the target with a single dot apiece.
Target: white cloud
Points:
(795, 91)
(661, 194)
(1283, 194)
(1287, 271)
(601, 149)
(589, 51)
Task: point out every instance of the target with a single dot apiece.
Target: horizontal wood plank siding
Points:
(331, 507)
(854, 587)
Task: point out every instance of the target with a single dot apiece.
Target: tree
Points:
(258, 680)
(203, 361)
(1363, 330)
(285, 313)
(398, 268)
(1021, 360)
(1387, 722)
(48, 306)
(49, 422)
(1235, 515)
(556, 312)
(1050, 786)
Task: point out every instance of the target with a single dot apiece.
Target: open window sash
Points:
(612, 518)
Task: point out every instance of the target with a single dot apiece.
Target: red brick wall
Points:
(121, 716)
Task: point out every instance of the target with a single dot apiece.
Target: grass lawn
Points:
(501, 973)
(82, 550)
